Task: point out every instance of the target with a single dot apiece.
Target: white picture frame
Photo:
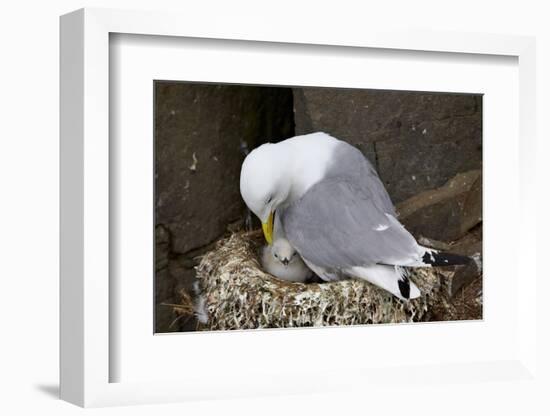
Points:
(86, 356)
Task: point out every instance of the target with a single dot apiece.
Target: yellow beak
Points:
(267, 227)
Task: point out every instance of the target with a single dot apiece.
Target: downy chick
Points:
(281, 260)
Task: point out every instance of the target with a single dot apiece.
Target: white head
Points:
(265, 184)
(283, 251)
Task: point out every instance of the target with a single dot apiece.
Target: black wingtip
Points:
(438, 259)
(404, 287)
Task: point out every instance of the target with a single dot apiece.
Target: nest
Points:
(237, 294)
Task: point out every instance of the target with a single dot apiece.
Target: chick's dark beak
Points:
(285, 261)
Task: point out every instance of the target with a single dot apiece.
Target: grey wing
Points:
(349, 162)
(338, 224)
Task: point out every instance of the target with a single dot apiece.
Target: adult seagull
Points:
(335, 211)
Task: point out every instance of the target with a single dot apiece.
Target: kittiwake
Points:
(335, 212)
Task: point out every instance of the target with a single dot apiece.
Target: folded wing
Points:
(340, 223)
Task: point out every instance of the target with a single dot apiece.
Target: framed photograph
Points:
(251, 214)
(421, 151)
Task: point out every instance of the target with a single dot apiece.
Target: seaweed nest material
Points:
(237, 294)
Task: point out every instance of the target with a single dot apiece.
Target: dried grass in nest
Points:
(183, 310)
(240, 295)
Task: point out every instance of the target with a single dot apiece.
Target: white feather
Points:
(386, 277)
(199, 304)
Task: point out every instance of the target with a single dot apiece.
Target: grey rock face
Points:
(445, 213)
(469, 245)
(473, 206)
(164, 284)
(199, 132)
(416, 141)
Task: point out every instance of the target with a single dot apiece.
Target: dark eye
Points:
(293, 254)
(276, 256)
(269, 199)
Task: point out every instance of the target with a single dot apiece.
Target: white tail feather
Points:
(386, 277)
